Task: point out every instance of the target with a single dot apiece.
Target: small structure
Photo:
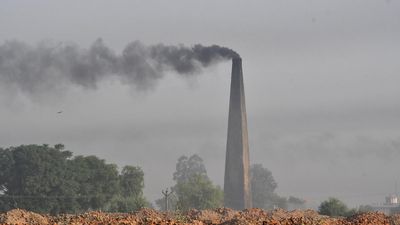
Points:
(392, 200)
(391, 205)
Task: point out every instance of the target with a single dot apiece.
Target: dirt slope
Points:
(199, 217)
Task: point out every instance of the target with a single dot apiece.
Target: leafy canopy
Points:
(48, 179)
(193, 188)
(333, 207)
(263, 186)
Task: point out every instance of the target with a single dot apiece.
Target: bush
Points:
(335, 207)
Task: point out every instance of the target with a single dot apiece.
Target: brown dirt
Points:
(19, 216)
(200, 217)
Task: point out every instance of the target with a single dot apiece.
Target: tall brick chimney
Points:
(237, 190)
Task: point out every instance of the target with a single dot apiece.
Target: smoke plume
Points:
(36, 69)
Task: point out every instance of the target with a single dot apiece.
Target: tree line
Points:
(194, 189)
(49, 179)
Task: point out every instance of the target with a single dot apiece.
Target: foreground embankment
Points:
(217, 216)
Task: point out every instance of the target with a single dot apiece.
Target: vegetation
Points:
(193, 188)
(365, 208)
(49, 179)
(335, 207)
(198, 193)
(263, 187)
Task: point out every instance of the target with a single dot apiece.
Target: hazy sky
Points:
(321, 79)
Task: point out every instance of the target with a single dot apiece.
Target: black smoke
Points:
(44, 67)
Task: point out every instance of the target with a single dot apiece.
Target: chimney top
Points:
(236, 60)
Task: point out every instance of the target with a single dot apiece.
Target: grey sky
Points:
(321, 81)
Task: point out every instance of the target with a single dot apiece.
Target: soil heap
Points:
(200, 217)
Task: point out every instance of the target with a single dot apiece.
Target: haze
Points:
(321, 81)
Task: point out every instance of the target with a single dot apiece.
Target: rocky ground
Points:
(200, 217)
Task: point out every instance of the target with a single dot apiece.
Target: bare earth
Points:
(217, 216)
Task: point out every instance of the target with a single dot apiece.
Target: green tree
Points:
(334, 207)
(365, 208)
(295, 203)
(6, 165)
(98, 181)
(34, 177)
(187, 167)
(193, 188)
(131, 196)
(295, 200)
(132, 181)
(48, 179)
(198, 193)
(263, 186)
(126, 204)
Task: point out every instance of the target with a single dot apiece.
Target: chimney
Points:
(237, 190)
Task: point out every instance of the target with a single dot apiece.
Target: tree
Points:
(48, 179)
(6, 165)
(365, 208)
(131, 196)
(126, 204)
(188, 167)
(295, 203)
(333, 207)
(132, 181)
(98, 182)
(198, 193)
(34, 177)
(295, 200)
(263, 187)
(193, 188)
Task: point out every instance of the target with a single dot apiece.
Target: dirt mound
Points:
(215, 216)
(96, 217)
(200, 217)
(369, 218)
(20, 216)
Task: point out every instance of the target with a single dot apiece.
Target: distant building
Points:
(392, 200)
(391, 205)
